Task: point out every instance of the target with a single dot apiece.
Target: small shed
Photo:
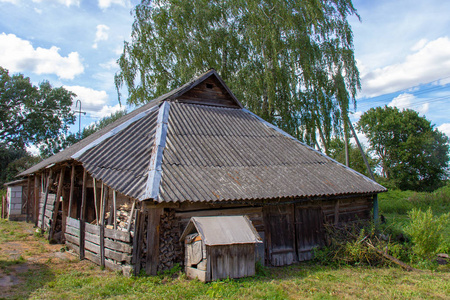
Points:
(220, 247)
(16, 200)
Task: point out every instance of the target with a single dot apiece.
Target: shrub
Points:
(426, 231)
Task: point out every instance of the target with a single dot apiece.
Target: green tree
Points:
(336, 151)
(413, 154)
(60, 144)
(30, 114)
(290, 62)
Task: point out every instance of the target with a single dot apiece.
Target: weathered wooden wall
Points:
(234, 261)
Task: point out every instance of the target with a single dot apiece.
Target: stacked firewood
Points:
(170, 248)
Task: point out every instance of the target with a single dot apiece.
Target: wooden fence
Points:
(105, 247)
(48, 208)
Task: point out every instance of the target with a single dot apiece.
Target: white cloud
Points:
(92, 101)
(19, 55)
(110, 65)
(429, 63)
(445, 128)
(107, 110)
(103, 4)
(405, 100)
(419, 45)
(67, 3)
(101, 35)
(11, 1)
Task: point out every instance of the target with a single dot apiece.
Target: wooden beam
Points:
(137, 241)
(115, 209)
(57, 202)
(105, 200)
(151, 264)
(49, 182)
(94, 186)
(72, 182)
(29, 186)
(83, 196)
(130, 218)
(37, 180)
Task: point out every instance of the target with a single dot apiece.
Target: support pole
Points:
(72, 182)
(115, 209)
(375, 209)
(37, 194)
(57, 203)
(49, 182)
(28, 206)
(94, 185)
(361, 150)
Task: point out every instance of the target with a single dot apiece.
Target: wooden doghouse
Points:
(220, 247)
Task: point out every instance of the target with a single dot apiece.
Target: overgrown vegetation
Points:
(414, 228)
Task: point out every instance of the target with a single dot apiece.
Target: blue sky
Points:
(402, 48)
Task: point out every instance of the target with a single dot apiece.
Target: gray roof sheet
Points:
(223, 230)
(207, 153)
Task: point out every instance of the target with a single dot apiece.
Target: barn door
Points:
(280, 234)
(309, 230)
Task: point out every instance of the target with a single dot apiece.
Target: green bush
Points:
(426, 232)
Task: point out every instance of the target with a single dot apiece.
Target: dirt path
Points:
(23, 257)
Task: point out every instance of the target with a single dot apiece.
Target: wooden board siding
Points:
(234, 261)
(209, 92)
(280, 234)
(116, 245)
(308, 230)
(48, 212)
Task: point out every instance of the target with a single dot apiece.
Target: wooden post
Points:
(151, 264)
(105, 200)
(72, 182)
(82, 214)
(130, 218)
(83, 197)
(336, 213)
(57, 202)
(29, 187)
(137, 240)
(49, 182)
(94, 186)
(115, 209)
(3, 207)
(102, 245)
(375, 209)
(361, 149)
(37, 193)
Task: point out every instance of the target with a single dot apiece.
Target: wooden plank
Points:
(130, 218)
(48, 214)
(115, 209)
(89, 237)
(112, 266)
(118, 235)
(95, 248)
(105, 191)
(72, 186)
(83, 196)
(37, 194)
(92, 257)
(138, 234)
(102, 244)
(72, 246)
(81, 243)
(118, 246)
(28, 207)
(57, 203)
(94, 229)
(73, 222)
(72, 239)
(73, 231)
(152, 261)
(195, 273)
(117, 256)
(94, 186)
(49, 181)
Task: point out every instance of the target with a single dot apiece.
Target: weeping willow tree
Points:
(291, 62)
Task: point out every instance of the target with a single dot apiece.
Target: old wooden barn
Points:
(123, 196)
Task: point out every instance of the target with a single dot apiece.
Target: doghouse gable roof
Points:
(223, 230)
(197, 143)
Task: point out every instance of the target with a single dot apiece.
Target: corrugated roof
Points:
(223, 230)
(207, 153)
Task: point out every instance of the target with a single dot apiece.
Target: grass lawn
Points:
(31, 268)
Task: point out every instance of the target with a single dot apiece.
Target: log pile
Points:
(170, 247)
